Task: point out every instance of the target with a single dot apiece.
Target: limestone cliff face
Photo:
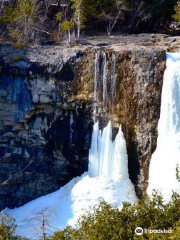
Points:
(48, 103)
(45, 121)
(134, 103)
(140, 77)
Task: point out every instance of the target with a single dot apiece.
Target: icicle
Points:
(106, 157)
(96, 76)
(106, 151)
(104, 78)
(71, 128)
(120, 158)
(113, 78)
(94, 152)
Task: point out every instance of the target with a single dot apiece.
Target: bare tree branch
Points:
(15, 174)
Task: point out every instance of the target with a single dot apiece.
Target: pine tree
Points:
(67, 26)
(20, 19)
(7, 228)
(176, 16)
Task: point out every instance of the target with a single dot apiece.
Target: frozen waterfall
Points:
(107, 179)
(166, 158)
(106, 157)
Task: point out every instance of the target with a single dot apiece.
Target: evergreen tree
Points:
(67, 26)
(7, 228)
(176, 16)
(65, 22)
(176, 232)
(20, 20)
(79, 17)
(105, 222)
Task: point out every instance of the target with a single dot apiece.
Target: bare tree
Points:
(44, 226)
(15, 174)
(42, 10)
(113, 17)
(140, 12)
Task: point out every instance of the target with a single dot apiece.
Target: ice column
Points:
(107, 157)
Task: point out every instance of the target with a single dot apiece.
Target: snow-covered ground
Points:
(166, 158)
(64, 206)
(107, 179)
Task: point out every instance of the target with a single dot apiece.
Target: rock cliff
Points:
(50, 95)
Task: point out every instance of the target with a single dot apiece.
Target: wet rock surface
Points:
(47, 110)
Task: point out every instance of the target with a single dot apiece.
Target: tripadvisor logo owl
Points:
(139, 231)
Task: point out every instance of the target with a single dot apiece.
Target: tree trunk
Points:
(78, 26)
(78, 20)
(43, 227)
(69, 36)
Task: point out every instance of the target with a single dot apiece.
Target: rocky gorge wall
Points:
(136, 104)
(49, 100)
(45, 122)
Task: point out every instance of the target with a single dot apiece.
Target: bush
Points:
(7, 228)
(105, 222)
(176, 16)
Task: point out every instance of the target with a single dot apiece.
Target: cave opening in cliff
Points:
(66, 74)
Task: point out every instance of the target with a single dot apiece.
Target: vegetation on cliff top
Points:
(32, 21)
